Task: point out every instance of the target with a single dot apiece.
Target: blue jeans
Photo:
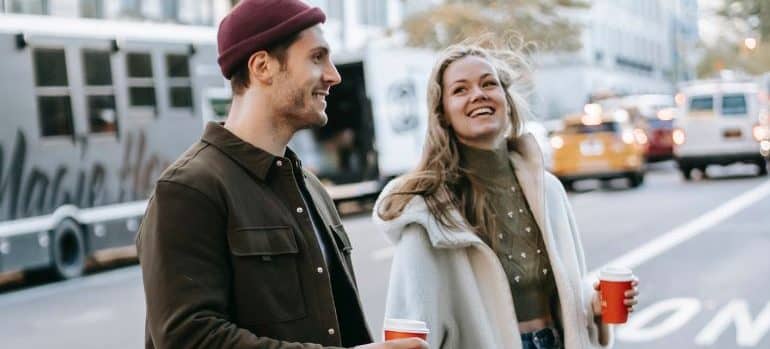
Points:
(547, 338)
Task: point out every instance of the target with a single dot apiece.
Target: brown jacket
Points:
(230, 260)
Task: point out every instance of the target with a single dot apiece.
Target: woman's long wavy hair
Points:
(439, 178)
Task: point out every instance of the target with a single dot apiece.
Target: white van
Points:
(720, 124)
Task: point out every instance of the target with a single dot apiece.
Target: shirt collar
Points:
(256, 161)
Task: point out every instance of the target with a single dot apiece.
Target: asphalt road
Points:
(701, 250)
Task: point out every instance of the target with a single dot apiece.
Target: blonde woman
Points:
(487, 251)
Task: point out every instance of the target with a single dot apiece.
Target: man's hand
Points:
(409, 343)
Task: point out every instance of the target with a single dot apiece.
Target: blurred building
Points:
(193, 12)
(352, 23)
(628, 47)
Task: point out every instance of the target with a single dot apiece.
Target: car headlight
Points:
(628, 136)
(759, 132)
(678, 136)
(557, 142)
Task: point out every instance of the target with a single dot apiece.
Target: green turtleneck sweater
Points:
(517, 240)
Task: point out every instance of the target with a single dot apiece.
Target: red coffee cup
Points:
(613, 284)
(403, 328)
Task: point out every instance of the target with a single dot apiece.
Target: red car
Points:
(660, 128)
(654, 113)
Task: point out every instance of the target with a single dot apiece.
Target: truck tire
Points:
(68, 250)
(686, 172)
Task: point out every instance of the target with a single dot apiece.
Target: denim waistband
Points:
(547, 338)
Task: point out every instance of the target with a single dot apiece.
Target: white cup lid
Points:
(616, 274)
(405, 325)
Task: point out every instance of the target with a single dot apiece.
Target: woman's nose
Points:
(478, 94)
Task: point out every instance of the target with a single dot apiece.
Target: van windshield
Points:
(586, 129)
(702, 103)
(734, 104)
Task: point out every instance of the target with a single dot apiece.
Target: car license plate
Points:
(591, 148)
(732, 133)
(593, 165)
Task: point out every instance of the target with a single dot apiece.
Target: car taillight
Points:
(678, 136)
(557, 142)
(759, 132)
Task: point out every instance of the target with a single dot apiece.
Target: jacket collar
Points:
(256, 161)
(528, 165)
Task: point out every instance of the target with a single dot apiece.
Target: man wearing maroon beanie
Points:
(241, 247)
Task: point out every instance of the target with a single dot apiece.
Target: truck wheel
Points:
(68, 250)
(686, 172)
(636, 179)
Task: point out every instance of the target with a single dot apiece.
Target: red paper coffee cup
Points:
(613, 284)
(403, 328)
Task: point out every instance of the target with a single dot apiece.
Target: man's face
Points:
(300, 88)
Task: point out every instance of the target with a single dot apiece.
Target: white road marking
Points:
(747, 333)
(678, 312)
(688, 230)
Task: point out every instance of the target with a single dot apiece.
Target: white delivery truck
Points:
(378, 118)
(721, 122)
(92, 111)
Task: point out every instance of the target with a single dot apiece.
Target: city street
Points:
(700, 250)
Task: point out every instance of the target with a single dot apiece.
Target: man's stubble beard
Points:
(295, 112)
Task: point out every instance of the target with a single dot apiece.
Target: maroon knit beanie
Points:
(255, 25)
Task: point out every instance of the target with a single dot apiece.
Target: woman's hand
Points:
(630, 301)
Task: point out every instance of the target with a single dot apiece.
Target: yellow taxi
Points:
(599, 144)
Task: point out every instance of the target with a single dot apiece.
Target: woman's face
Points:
(474, 102)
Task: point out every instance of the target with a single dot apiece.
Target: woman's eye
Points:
(458, 90)
(490, 83)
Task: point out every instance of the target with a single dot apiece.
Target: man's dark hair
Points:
(240, 81)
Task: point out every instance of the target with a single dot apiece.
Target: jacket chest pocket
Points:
(266, 280)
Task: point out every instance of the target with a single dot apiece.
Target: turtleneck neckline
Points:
(488, 164)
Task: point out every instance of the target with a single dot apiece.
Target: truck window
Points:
(53, 95)
(702, 103)
(33, 7)
(141, 86)
(179, 82)
(734, 104)
(99, 91)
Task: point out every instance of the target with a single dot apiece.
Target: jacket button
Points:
(279, 163)
(331, 332)
(320, 270)
(300, 210)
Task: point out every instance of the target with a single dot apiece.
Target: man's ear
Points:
(259, 67)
